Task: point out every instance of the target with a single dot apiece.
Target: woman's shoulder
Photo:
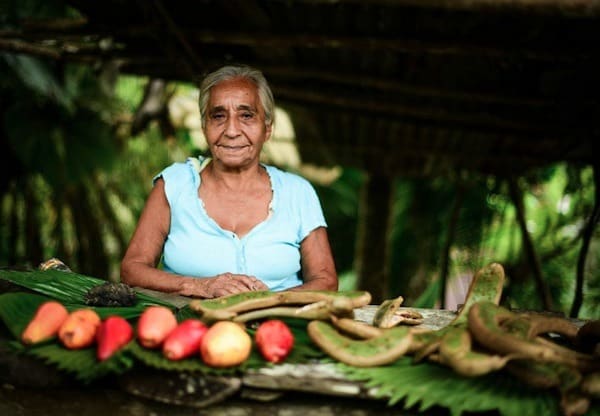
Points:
(180, 177)
(177, 168)
(183, 171)
(288, 179)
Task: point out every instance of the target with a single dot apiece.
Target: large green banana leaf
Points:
(70, 288)
(424, 386)
(17, 309)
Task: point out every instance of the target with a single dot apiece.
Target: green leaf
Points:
(304, 348)
(82, 364)
(17, 309)
(36, 75)
(404, 383)
(62, 286)
(155, 359)
(594, 409)
(426, 385)
(70, 288)
(64, 148)
(186, 313)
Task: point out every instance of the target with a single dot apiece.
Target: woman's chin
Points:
(234, 157)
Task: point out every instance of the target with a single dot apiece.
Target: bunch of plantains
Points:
(544, 351)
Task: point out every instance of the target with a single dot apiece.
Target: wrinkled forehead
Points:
(236, 92)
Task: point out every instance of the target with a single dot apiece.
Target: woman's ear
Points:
(269, 132)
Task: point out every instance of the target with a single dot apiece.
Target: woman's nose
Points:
(232, 127)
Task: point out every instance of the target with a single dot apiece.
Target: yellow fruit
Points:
(225, 344)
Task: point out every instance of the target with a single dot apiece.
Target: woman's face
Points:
(235, 123)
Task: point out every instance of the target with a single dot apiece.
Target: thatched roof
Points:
(405, 87)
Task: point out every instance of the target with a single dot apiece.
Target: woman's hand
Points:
(228, 284)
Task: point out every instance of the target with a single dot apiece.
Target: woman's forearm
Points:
(143, 275)
(325, 282)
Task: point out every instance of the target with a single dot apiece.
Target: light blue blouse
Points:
(197, 246)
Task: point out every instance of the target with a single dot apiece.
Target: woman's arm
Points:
(139, 265)
(318, 267)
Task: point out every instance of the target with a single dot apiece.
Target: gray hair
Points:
(227, 73)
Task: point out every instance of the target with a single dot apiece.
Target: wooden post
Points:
(450, 236)
(372, 240)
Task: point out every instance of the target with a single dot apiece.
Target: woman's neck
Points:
(234, 179)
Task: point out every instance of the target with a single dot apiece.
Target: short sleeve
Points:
(179, 177)
(310, 210)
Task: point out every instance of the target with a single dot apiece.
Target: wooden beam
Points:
(569, 8)
(192, 59)
(20, 47)
(362, 104)
(59, 24)
(381, 43)
(367, 42)
(390, 85)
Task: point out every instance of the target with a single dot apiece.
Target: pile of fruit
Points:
(221, 344)
(483, 343)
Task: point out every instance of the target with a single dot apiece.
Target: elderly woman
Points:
(228, 224)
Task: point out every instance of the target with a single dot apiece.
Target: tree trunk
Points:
(588, 232)
(534, 261)
(372, 246)
(34, 252)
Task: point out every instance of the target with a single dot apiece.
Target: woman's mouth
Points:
(231, 148)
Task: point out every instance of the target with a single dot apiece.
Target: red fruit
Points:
(155, 325)
(184, 340)
(274, 340)
(113, 334)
